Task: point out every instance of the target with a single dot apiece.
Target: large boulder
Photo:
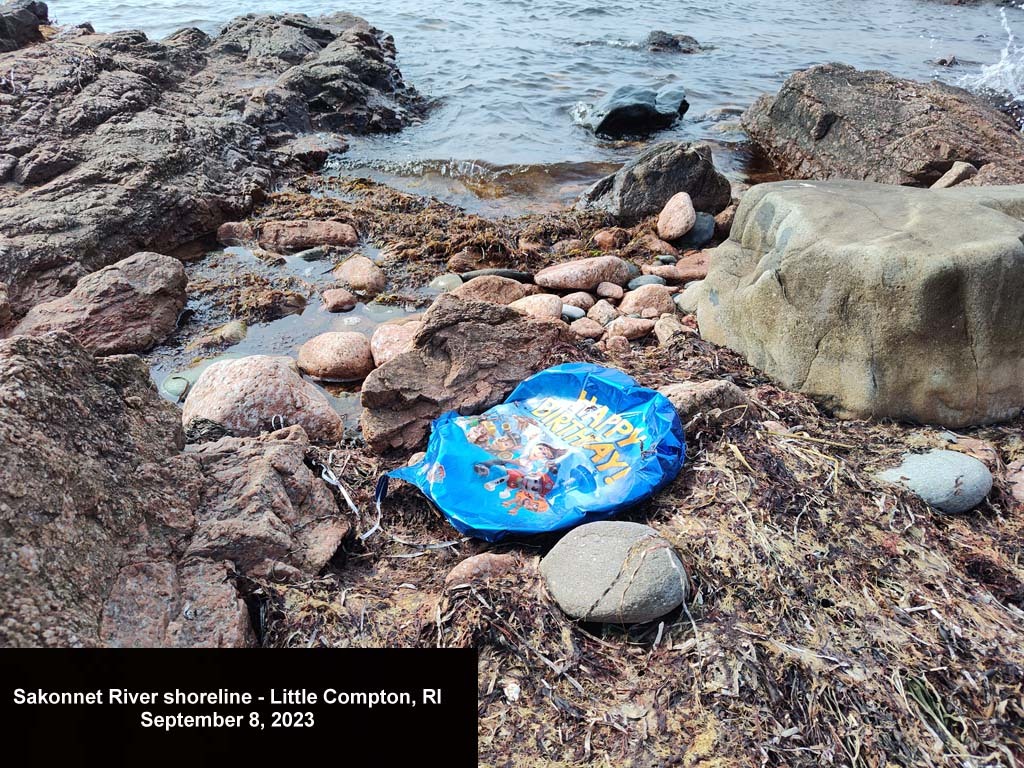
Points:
(110, 535)
(833, 121)
(467, 356)
(116, 143)
(881, 301)
(250, 395)
(645, 184)
(91, 482)
(126, 307)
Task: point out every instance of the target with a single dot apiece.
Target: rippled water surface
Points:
(508, 72)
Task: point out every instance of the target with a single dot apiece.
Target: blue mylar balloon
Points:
(571, 444)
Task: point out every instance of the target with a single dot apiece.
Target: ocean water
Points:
(507, 74)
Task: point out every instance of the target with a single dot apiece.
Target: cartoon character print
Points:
(525, 479)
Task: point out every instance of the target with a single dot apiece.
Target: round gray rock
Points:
(570, 313)
(636, 282)
(947, 480)
(615, 572)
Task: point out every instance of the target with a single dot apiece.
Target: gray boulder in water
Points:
(643, 185)
(879, 300)
(632, 111)
(665, 42)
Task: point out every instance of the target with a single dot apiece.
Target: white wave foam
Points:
(1004, 77)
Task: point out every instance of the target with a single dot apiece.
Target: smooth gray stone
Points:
(950, 481)
(636, 282)
(615, 572)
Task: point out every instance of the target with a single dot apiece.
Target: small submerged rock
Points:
(337, 356)
(339, 300)
(296, 235)
(361, 274)
(949, 481)
(446, 283)
(615, 572)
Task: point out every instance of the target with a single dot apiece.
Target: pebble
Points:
(712, 399)
(686, 300)
(445, 283)
(610, 291)
(339, 300)
(361, 274)
(609, 239)
(493, 288)
(617, 345)
(653, 296)
(693, 266)
(666, 327)
(481, 568)
(636, 282)
(586, 328)
(583, 274)
(631, 328)
(337, 356)
(949, 481)
(615, 572)
(668, 258)
(539, 305)
(571, 313)
(602, 312)
(677, 217)
(579, 299)
(701, 234)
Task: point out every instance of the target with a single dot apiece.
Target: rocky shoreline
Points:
(820, 337)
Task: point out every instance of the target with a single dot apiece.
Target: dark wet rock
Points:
(511, 274)
(833, 121)
(126, 307)
(665, 42)
(467, 356)
(632, 111)
(19, 24)
(700, 235)
(125, 144)
(643, 186)
(814, 289)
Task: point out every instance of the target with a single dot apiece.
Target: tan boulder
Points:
(337, 356)
(584, 274)
(492, 288)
